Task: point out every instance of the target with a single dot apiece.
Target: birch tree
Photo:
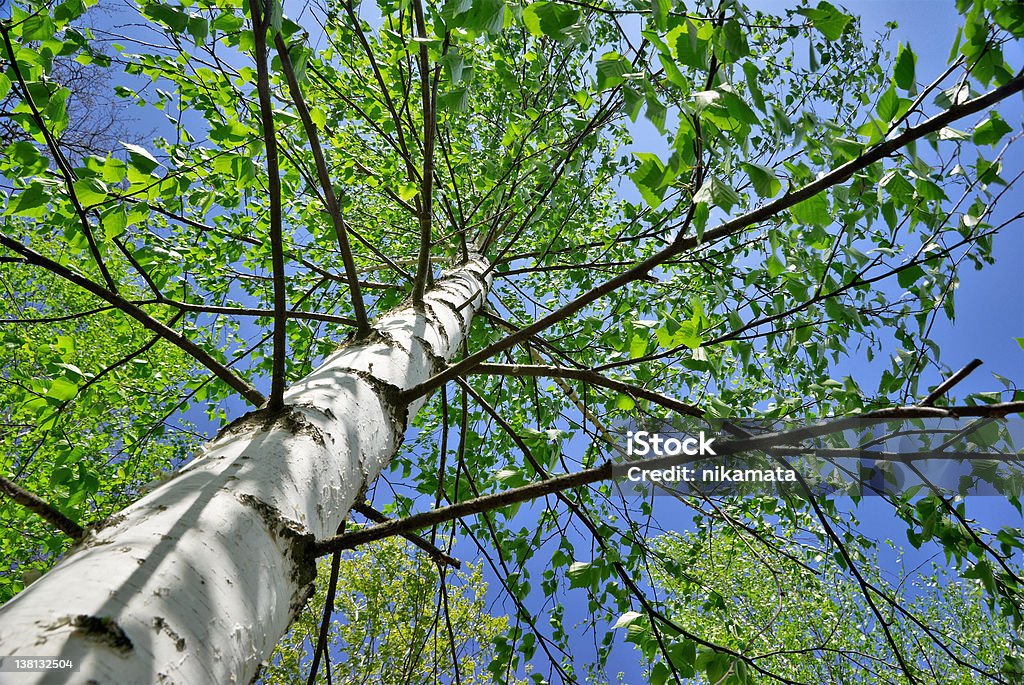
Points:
(427, 245)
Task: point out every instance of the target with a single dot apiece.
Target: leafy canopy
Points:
(810, 198)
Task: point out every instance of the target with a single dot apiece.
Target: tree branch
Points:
(202, 356)
(439, 556)
(425, 202)
(947, 384)
(37, 506)
(362, 326)
(260, 24)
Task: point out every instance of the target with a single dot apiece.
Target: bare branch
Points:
(947, 384)
(323, 175)
(260, 24)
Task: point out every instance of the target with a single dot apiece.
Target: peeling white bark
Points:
(196, 582)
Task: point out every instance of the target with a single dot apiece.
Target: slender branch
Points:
(37, 506)
(325, 621)
(202, 356)
(438, 555)
(363, 326)
(425, 203)
(385, 93)
(56, 319)
(947, 384)
(250, 311)
(458, 510)
(260, 24)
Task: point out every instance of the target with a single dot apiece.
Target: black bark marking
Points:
(298, 542)
(384, 338)
(161, 627)
(103, 630)
(263, 420)
(437, 362)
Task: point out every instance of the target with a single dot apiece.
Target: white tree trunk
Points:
(196, 582)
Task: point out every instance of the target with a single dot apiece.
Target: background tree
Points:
(386, 626)
(808, 201)
(97, 120)
(789, 599)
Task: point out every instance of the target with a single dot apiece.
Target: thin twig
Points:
(947, 384)
(325, 622)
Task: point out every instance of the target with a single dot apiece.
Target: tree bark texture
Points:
(196, 582)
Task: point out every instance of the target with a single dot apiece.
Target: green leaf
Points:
(659, 12)
(90, 191)
(407, 191)
(27, 156)
(610, 70)
(638, 344)
(30, 202)
(581, 574)
(656, 113)
(739, 109)
(455, 100)
(550, 19)
(199, 29)
(903, 71)
(909, 276)
(812, 211)
(228, 22)
(991, 131)
(625, 402)
(650, 178)
(171, 17)
(484, 16)
(827, 19)
(765, 182)
(690, 43)
(896, 185)
(57, 110)
(888, 105)
(731, 42)
(62, 389)
(37, 27)
(716, 192)
(115, 220)
(752, 74)
(686, 333)
(626, 619)
(140, 158)
(774, 265)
